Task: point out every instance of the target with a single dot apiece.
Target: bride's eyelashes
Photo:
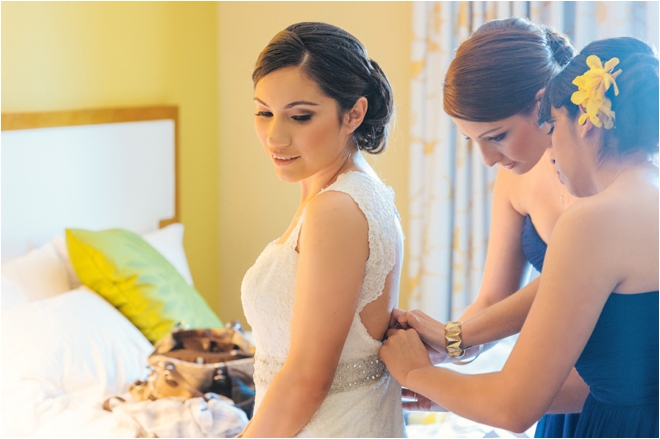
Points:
(297, 118)
(302, 118)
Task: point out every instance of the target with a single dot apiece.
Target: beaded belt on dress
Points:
(349, 374)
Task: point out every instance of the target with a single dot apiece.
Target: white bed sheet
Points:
(61, 357)
(36, 409)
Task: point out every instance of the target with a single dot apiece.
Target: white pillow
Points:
(39, 274)
(11, 295)
(63, 252)
(74, 341)
(168, 241)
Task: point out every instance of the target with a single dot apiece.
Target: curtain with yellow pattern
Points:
(450, 188)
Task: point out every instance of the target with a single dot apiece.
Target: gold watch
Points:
(454, 342)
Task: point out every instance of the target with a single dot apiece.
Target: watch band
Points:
(454, 342)
(464, 362)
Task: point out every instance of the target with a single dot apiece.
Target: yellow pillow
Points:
(135, 278)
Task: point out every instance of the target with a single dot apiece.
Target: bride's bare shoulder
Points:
(335, 214)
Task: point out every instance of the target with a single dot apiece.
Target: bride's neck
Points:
(321, 180)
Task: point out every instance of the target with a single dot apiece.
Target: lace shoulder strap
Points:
(292, 239)
(376, 201)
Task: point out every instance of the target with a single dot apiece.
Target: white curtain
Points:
(450, 188)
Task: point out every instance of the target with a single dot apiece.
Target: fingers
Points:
(408, 394)
(412, 406)
(402, 352)
(394, 318)
(412, 321)
(404, 319)
(404, 342)
(430, 330)
(409, 398)
(420, 403)
(392, 331)
(414, 318)
(396, 312)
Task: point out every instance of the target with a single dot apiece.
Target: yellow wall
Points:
(256, 207)
(60, 55)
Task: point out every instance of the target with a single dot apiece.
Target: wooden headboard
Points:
(94, 169)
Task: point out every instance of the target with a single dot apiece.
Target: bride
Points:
(319, 297)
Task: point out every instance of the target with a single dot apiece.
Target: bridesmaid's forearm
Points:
(500, 320)
(483, 398)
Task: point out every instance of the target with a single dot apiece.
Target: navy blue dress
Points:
(549, 425)
(620, 365)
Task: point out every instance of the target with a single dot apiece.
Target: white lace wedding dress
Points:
(364, 400)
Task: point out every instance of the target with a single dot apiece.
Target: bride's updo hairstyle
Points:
(635, 108)
(497, 72)
(339, 65)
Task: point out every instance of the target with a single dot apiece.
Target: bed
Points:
(66, 347)
(94, 189)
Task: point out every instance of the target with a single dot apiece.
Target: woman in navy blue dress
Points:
(597, 302)
(496, 106)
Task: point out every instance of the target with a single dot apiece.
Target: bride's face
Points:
(298, 126)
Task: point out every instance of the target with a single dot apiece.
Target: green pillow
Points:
(134, 277)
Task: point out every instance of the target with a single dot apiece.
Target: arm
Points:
(333, 249)
(505, 260)
(494, 323)
(486, 327)
(498, 321)
(581, 269)
(570, 398)
(502, 319)
(572, 395)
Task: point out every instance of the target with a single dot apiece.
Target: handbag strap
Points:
(112, 402)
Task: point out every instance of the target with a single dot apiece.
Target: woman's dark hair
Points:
(497, 72)
(635, 107)
(339, 64)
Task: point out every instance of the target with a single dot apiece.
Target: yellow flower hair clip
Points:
(591, 92)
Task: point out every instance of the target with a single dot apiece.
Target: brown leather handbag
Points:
(191, 363)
